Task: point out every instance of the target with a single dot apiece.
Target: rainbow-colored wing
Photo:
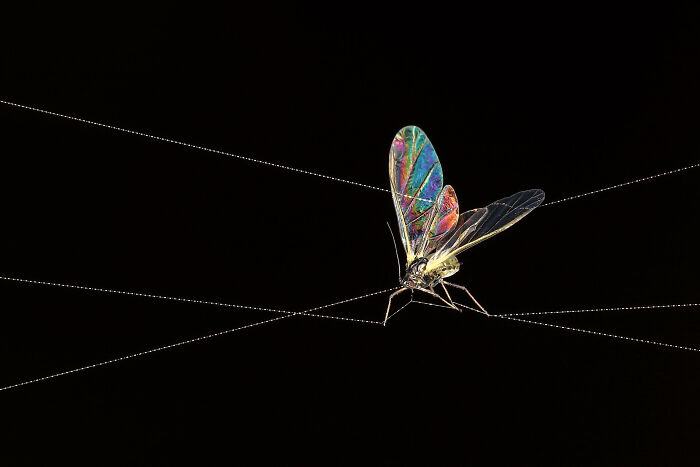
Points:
(486, 222)
(443, 219)
(416, 180)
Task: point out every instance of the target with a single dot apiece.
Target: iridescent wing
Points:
(480, 224)
(442, 220)
(416, 180)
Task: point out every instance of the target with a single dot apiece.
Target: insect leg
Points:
(446, 292)
(470, 296)
(388, 307)
(432, 292)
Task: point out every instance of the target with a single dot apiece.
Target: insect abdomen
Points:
(449, 267)
(445, 269)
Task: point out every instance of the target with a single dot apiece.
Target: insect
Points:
(432, 231)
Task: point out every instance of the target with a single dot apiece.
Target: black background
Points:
(567, 100)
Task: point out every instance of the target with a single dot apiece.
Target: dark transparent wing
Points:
(467, 223)
(487, 222)
(416, 180)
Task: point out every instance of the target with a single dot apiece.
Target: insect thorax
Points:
(417, 274)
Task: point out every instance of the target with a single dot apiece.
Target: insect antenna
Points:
(396, 250)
